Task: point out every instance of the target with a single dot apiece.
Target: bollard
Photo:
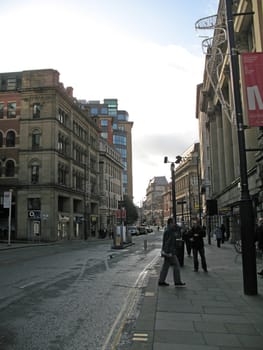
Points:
(145, 244)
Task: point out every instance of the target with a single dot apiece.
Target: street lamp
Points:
(173, 186)
(245, 204)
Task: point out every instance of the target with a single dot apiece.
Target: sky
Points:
(145, 53)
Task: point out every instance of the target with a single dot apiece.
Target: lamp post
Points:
(245, 204)
(199, 190)
(173, 187)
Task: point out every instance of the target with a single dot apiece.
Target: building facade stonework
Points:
(49, 157)
(219, 146)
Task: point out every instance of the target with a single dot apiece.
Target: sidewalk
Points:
(210, 313)
(16, 245)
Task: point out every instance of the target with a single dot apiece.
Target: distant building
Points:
(153, 205)
(115, 127)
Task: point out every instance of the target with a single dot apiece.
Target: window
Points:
(2, 110)
(9, 168)
(1, 139)
(10, 139)
(104, 122)
(11, 110)
(62, 174)
(34, 174)
(36, 110)
(62, 116)
(104, 111)
(33, 204)
(11, 84)
(119, 140)
(62, 144)
(94, 111)
(122, 151)
(36, 139)
(104, 135)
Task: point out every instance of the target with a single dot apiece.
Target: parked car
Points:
(133, 230)
(149, 229)
(142, 230)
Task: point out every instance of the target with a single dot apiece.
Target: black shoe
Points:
(164, 284)
(260, 273)
(205, 270)
(181, 284)
(195, 270)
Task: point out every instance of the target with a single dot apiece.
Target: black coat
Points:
(169, 240)
(196, 234)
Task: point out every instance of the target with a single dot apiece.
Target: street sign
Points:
(7, 199)
(34, 214)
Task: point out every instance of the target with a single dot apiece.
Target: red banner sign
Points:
(252, 69)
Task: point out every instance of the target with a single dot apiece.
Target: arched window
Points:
(9, 168)
(1, 139)
(10, 139)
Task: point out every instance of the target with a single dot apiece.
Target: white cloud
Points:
(156, 84)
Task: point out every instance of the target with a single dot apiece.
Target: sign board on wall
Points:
(7, 199)
(252, 73)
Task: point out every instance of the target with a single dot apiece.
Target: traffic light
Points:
(178, 159)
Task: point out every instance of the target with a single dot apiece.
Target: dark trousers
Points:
(218, 241)
(188, 246)
(201, 252)
(176, 270)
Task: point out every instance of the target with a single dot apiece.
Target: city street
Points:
(72, 295)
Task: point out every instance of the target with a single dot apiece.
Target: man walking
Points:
(169, 255)
(197, 233)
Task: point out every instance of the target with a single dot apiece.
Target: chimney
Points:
(69, 91)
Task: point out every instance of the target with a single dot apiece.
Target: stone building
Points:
(189, 203)
(153, 204)
(49, 158)
(219, 144)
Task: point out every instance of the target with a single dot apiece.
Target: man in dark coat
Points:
(169, 255)
(196, 234)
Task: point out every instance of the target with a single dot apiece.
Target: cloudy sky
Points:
(145, 53)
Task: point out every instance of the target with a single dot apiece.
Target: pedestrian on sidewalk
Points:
(197, 233)
(219, 236)
(169, 255)
(259, 238)
(186, 238)
(223, 229)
